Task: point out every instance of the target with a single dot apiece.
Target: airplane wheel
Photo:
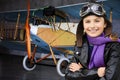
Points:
(62, 65)
(27, 65)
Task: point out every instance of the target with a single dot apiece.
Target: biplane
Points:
(54, 38)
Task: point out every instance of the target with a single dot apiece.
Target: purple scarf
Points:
(97, 56)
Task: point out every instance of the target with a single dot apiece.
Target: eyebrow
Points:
(98, 18)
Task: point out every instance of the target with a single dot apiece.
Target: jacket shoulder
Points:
(115, 45)
(112, 49)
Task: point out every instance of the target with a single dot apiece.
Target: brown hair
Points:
(80, 30)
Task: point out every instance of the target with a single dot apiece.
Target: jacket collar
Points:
(84, 54)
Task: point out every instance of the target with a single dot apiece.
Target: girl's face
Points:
(94, 25)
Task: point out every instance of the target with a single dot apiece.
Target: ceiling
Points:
(71, 8)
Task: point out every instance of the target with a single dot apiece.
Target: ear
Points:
(108, 30)
(105, 25)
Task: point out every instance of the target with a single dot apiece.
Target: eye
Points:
(97, 20)
(87, 21)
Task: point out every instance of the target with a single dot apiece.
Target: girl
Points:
(97, 50)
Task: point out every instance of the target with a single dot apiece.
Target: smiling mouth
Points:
(93, 30)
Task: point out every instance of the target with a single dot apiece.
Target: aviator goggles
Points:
(97, 9)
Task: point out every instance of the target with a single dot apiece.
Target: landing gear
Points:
(28, 64)
(62, 65)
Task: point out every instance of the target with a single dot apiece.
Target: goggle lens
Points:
(94, 8)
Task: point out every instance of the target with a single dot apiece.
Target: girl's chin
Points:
(93, 35)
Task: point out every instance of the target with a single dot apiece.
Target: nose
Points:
(92, 25)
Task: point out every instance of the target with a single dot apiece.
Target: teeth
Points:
(93, 30)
